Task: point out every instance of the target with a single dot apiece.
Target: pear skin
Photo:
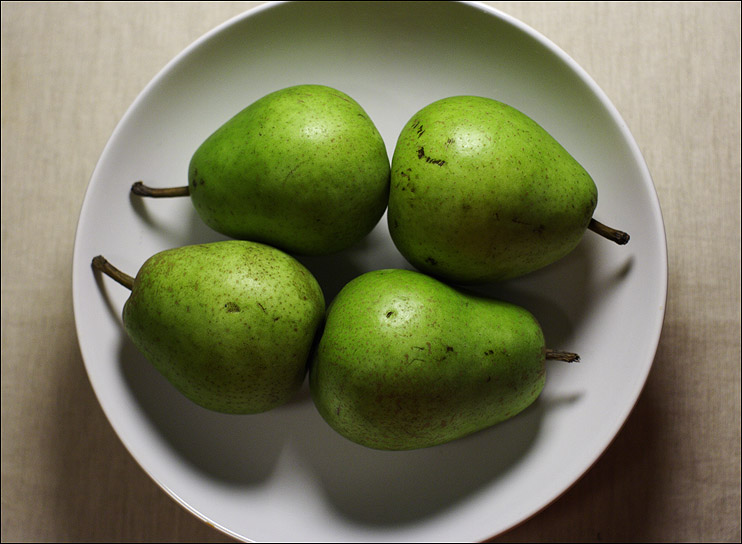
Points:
(481, 193)
(230, 324)
(406, 361)
(303, 169)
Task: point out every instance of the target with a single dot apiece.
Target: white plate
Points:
(285, 475)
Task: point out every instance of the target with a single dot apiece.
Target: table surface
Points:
(69, 72)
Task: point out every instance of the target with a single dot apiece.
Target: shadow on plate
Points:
(365, 485)
(392, 488)
(241, 450)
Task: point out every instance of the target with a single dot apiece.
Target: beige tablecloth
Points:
(70, 70)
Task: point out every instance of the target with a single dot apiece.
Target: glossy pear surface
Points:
(230, 324)
(480, 192)
(303, 169)
(406, 361)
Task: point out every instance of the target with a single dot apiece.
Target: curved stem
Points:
(612, 234)
(102, 265)
(139, 188)
(566, 356)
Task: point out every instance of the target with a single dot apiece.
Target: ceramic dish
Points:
(285, 475)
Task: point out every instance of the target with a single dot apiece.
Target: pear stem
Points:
(566, 356)
(102, 265)
(139, 188)
(612, 234)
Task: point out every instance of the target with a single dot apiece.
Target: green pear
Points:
(480, 192)
(230, 324)
(303, 169)
(406, 361)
